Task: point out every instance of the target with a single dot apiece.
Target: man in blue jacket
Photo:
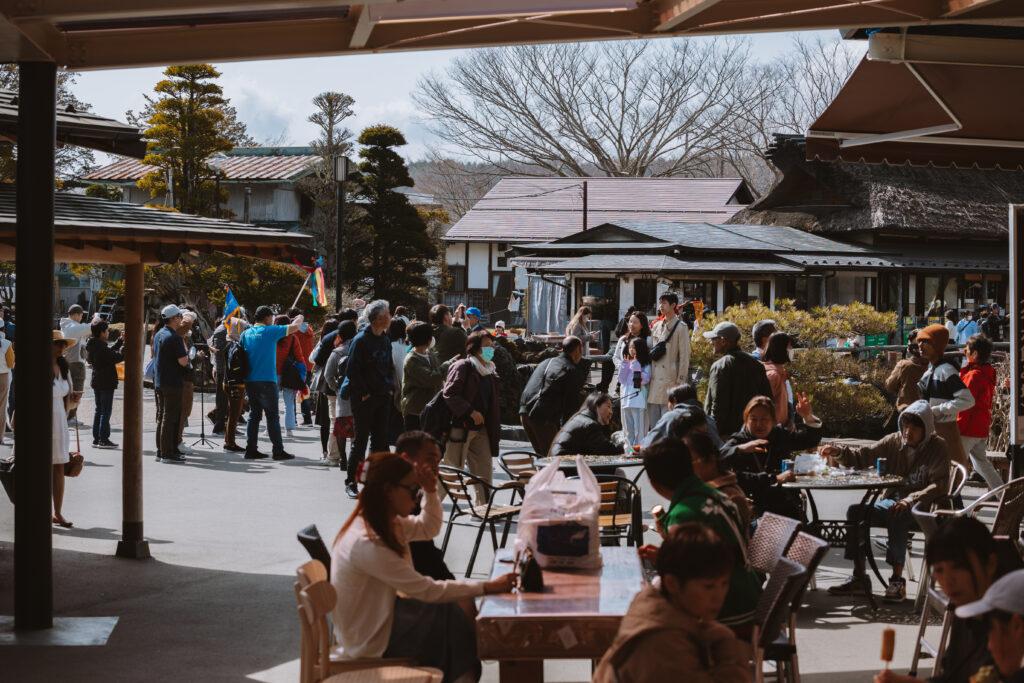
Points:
(369, 385)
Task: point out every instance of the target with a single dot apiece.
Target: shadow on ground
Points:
(223, 624)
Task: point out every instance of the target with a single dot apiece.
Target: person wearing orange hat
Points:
(942, 387)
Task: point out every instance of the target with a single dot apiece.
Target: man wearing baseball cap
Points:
(73, 328)
(473, 316)
(735, 378)
(1003, 606)
(169, 381)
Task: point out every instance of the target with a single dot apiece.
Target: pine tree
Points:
(387, 245)
(188, 121)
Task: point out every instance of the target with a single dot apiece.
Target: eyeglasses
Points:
(412, 489)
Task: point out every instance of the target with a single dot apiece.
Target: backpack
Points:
(436, 418)
(237, 363)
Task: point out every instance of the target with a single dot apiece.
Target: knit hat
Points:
(937, 334)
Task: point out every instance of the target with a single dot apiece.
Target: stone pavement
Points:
(215, 603)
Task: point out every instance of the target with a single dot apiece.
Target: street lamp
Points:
(341, 171)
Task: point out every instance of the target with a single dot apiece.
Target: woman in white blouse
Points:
(61, 444)
(371, 565)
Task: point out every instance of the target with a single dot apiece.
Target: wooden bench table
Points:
(576, 617)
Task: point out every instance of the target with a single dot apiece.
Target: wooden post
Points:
(132, 544)
(33, 542)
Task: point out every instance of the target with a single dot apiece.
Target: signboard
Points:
(1016, 306)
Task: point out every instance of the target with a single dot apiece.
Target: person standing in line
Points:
(73, 328)
(577, 327)
(289, 350)
(979, 377)
(218, 343)
(399, 350)
(318, 386)
(471, 392)
(942, 387)
(423, 375)
(104, 360)
(634, 377)
(334, 374)
(188, 322)
(735, 378)
(169, 371)
(306, 342)
(6, 375)
(234, 385)
(260, 345)
(552, 394)
(450, 339)
(762, 331)
(950, 323)
(670, 356)
(370, 385)
(902, 381)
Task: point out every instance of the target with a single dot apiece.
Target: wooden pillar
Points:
(132, 544)
(33, 542)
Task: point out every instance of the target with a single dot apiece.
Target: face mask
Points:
(791, 353)
(487, 353)
(408, 348)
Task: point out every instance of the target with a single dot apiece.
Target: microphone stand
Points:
(202, 441)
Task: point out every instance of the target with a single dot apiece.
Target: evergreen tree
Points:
(188, 121)
(387, 245)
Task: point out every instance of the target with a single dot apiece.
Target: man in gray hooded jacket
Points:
(921, 457)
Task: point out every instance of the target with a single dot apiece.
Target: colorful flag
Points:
(231, 306)
(317, 287)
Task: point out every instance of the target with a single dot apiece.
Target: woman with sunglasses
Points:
(371, 565)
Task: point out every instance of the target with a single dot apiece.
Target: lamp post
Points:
(341, 164)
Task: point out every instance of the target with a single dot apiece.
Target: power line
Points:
(522, 196)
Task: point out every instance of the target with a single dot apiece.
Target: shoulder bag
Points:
(661, 348)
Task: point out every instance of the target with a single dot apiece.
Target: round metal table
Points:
(833, 530)
(593, 461)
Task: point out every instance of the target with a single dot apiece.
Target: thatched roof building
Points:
(883, 202)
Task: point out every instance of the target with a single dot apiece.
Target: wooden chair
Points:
(519, 466)
(315, 602)
(770, 541)
(458, 486)
(787, 580)
(621, 513)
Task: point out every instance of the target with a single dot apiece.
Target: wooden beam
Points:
(363, 29)
(671, 13)
(930, 49)
(82, 10)
(955, 8)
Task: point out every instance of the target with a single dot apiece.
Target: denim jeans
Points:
(899, 528)
(263, 400)
(289, 408)
(634, 425)
(101, 420)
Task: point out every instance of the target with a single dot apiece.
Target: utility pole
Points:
(584, 204)
(340, 174)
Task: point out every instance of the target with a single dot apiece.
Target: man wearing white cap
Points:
(73, 328)
(169, 381)
(1003, 606)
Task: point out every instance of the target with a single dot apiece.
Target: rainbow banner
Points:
(317, 286)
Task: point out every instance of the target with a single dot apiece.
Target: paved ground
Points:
(216, 604)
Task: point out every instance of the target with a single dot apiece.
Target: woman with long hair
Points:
(370, 567)
(60, 443)
(777, 355)
(636, 326)
(577, 327)
(634, 376)
(588, 432)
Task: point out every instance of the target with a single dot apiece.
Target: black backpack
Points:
(237, 363)
(436, 418)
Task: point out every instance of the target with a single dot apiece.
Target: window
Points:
(502, 256)
(643, 295)
(458, 277)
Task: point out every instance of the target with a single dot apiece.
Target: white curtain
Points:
(548, 307)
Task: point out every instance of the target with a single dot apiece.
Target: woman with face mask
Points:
(777, 355)
(471, 392)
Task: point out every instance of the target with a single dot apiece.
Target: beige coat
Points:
(674, 366)
(658, 642)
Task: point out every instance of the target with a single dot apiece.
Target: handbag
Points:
(344, 427)
(661, 348)
(291, 377)
(73, 467)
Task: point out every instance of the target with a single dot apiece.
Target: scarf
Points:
(483, 367)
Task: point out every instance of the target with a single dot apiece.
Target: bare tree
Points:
(612, 109)
(456, 185)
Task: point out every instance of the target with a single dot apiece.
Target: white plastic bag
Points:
(559, 518)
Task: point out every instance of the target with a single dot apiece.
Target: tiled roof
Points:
(266, 167)
(542, 209)
(953, 259)
(650, 263)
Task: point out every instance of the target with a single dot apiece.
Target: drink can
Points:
(880, 466)
(787, 465)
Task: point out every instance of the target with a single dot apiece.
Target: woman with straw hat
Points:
(61, 443)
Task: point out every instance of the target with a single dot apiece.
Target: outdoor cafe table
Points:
(834, 530)
(576, 617)
(600, 464)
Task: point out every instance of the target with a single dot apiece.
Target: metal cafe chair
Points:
(773, 608)
(772, 537)
(808, 551)
(934, 602)
(621, 511)
(519, 466)
(459, 485)
(957, 479)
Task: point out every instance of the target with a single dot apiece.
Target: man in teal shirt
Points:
(670, 468)
(260, 345)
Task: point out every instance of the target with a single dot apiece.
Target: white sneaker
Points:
(289, 433)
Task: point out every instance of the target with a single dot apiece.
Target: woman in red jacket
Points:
(980, 378)
(289, 350)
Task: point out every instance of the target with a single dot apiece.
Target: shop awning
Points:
(650, 263)
(947, 112)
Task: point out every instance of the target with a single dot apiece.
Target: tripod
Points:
(203, 441)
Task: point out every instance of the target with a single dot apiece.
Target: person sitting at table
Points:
(915, 453)
(370, 567)
(755, 454)
(964, 560)
(670, 632)
(588, 432)
(420, 449)
(706, 466)
(681, 398)
(670, 468)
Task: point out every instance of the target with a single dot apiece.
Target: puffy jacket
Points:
(462, 394)
(981, 382)
(903, 379)
(947, 395)
(422, 379)
(306, 341)
(584, 435)
(552, 394)
(735, 378)
(292, 345)
(659, 642)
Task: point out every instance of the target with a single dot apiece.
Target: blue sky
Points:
(273, 96)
